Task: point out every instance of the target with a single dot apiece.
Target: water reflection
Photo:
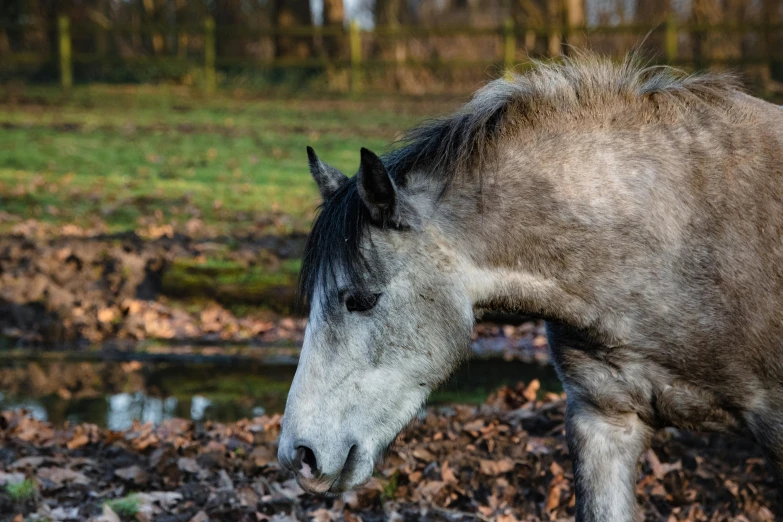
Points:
(114, 395)
(119, 411)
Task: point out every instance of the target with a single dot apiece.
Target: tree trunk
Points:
(334, 18)
(528, 15)
(287, 14)
(650, 12)
(152, 11)
(772, 14)
(576, 22)
(393, 13)
(555, 21)
(703, 12)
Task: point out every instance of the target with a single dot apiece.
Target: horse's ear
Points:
(328, 178)
(376, 187)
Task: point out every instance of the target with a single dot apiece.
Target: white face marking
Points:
(363, 375)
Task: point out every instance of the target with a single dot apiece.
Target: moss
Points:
(126, 507)
(231, 283)
(22, 491)
(390, 487)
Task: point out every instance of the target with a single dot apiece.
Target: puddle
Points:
(114, 394)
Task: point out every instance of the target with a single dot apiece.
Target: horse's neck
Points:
(516, 254)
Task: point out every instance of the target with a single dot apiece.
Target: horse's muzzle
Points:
(314, 470)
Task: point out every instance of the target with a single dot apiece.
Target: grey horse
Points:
(638, 210)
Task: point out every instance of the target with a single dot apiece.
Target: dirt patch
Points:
(505, 460)
(82, 290)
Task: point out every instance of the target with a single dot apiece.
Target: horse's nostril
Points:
(308, 460)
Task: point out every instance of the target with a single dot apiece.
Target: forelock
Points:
(335, 249)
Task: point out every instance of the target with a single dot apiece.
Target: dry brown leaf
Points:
(447, 474)
(430, 488)
(423, 454)
(531, 391)
(108, 515)
(655, 463)
(28, 462)
(553, 497)
(351, 517)
(199, 517)
(133, 474)
(263, 455)
(496, 467)
(321, 515)
(61, 476)
(188, 465)
(10, 478)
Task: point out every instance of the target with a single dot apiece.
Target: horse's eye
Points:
(361, 303)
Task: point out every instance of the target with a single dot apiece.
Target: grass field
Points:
(118, 158)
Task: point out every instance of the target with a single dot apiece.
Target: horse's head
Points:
(390, 317)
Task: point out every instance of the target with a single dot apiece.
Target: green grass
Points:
(22, 491)
(390, 487)
(124, 158)
(126, 507)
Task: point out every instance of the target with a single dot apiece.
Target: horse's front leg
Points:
(605, 448)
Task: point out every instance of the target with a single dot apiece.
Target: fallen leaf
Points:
(28, 462)
(531, 391)
(263, 456)
(10, 478)
(62, 513)
(62, 476)
(188, 465)
(423, 454)
(496, 467)
(133, 474)
(78, 441)
(447, 474)
(430, 489)
(108, 515)
(199, 517)
(553, 497)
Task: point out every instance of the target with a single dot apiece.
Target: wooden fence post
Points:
(671, 38)
(210, 78)
(509, 48)
(66, 67)
(356, 56)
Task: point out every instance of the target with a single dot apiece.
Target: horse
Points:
(637, 209)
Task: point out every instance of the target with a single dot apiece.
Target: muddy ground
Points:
(72, 291)
(505, 460)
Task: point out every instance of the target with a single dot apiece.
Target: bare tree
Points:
(575, 22)
(393, 12)
(285, 15)
(530, 15)
(334, 18)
